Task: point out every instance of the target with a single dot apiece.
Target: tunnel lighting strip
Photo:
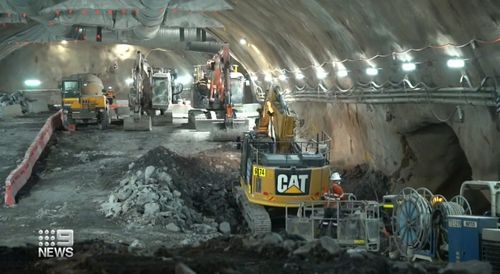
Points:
(402, 92)
(392, 54)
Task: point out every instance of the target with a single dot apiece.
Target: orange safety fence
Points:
(19, 176)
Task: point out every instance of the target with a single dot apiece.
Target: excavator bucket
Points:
(221, 132)
(142, 123)
(163, 120)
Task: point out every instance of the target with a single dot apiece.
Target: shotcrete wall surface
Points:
(417, 145)
(112, 63)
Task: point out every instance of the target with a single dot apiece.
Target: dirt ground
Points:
(81, 169)
(16, 134)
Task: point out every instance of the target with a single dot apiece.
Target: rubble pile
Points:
(163, 188)
(7, 99)
(205, 180)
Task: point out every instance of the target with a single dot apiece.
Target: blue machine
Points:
(464, 236)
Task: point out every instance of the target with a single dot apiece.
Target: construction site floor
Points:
(83, 169)
(79, 170)
(16, 134)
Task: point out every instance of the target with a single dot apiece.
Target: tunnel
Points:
(399, 98)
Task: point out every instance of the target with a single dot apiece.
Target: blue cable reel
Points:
(411, 221)
(419, 222)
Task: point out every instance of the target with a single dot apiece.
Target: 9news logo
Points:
(55, 243)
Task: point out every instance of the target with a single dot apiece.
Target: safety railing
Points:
(353, 223)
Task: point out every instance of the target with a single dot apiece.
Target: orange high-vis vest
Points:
(337, 190)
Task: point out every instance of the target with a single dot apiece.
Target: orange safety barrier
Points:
(19, 176)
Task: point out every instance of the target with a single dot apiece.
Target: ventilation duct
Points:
(151, 18)
(167, 38)
(210, 46)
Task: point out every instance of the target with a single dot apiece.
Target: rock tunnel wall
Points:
(416, 145)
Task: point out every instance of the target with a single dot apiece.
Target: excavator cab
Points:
(162, 91)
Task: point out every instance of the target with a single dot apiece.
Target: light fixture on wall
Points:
(282, 77)
(371, 71)
(408, 66)
(456, 63)
(32, 83)
(460, 114)
(268, 78)
(129, 81)
(342, 73)
(243, 42)
(321, 73)
(64, 42)
(299, 75)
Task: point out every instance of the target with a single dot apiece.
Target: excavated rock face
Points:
(420, 145)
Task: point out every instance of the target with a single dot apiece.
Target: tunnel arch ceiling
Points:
(297, 34)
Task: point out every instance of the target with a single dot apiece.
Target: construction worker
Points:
(335, 189)
(333, 194)
(110, 95)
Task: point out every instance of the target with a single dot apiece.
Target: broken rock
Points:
(123, 193)
(330, 245)
(151, 209)
(305, 249)
(225, 228)
(172, 227)
(148, 172)
(111, 208)
(136, 245)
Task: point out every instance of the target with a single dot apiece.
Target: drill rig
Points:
(216, 91)
(151, 92)
(276, 170)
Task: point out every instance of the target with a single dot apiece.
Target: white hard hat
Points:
(335, 177)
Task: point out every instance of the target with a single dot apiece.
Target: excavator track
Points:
(256, 216)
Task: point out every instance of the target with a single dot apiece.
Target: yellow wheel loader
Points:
(83, 101)
(276, 170)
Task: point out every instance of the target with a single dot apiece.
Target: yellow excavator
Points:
(276, 169)
(83, 101)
